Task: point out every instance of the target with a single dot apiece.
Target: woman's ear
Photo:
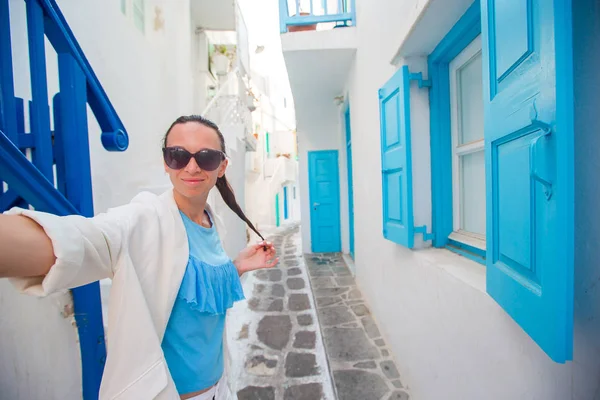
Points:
(223, 168)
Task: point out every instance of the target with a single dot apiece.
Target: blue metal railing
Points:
(291, 13)
(64, 149)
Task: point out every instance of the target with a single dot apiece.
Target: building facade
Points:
(445, 146)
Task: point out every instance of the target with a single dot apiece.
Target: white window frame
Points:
(459, 235)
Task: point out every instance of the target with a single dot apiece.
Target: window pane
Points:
(472, 196)
(139, 15)
(470, 102)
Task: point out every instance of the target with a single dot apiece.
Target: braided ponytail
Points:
(229, 198)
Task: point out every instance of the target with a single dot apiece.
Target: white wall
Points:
(147, 79)
(321, 132)
(39, 352)
(450, 339)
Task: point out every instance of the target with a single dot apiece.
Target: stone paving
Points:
(274, 338)
(305, 333)
(361, 364)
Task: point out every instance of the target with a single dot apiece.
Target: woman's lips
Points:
(193, 182)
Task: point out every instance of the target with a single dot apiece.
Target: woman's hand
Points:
(256, 257)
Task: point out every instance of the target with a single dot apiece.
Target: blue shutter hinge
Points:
(423, 230)
(418, 76)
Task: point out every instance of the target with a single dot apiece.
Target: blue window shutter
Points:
(529, 164)
(396, 169)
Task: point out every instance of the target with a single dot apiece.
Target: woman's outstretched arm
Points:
(25, 249)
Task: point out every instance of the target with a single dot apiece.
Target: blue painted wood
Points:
(277, 212)
(39, 116)
(565, 158)
(8, 122)
(465, 250)
(455, 41)
(285, 203)
(345, 15)
(20, 108)
(283, 15)
(350, 180)
(529, 256)
(70, 152)
(396, 159)
(72, 133)
(23, 177)
(73, 128)
(114, 136)
(8, 200)
(59, 146)
(324, 188)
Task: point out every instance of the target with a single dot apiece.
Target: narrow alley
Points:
(306, 333)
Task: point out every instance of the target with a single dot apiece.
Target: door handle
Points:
(315, 205)
(547, 130)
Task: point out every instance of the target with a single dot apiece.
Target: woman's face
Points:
(192, 181)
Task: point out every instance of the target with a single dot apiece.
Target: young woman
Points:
(172, 281)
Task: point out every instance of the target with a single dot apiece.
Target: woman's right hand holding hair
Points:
(25, 249)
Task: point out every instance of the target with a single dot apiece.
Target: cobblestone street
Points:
(305, 333)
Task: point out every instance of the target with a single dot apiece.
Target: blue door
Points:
(285, 203)
(350, 185)
(529, 166)
(323, 175)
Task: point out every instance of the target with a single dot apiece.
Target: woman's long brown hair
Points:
(222, 184)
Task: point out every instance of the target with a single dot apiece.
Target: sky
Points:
(262, 21)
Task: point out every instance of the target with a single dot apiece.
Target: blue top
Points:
(193, 341)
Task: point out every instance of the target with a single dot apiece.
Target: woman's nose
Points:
(192, 166)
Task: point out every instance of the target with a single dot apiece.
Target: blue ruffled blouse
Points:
(193, 341)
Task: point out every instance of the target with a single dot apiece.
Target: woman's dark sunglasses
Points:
(179, 158)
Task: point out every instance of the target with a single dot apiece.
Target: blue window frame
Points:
(446, 156)
(528, 153)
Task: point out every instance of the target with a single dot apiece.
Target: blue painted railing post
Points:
(8, 116)
(7, 93)
(71, 130)
(283, 15)
(40, 113)
(344, 14)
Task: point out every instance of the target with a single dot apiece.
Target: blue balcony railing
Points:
(309, 13)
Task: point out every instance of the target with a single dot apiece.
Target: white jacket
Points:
(143, 248)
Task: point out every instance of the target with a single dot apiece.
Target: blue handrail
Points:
(317, 13)
(31, 182)
(114, 136)
(34, 188)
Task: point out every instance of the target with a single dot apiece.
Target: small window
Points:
(468, 155)
(139, 15)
